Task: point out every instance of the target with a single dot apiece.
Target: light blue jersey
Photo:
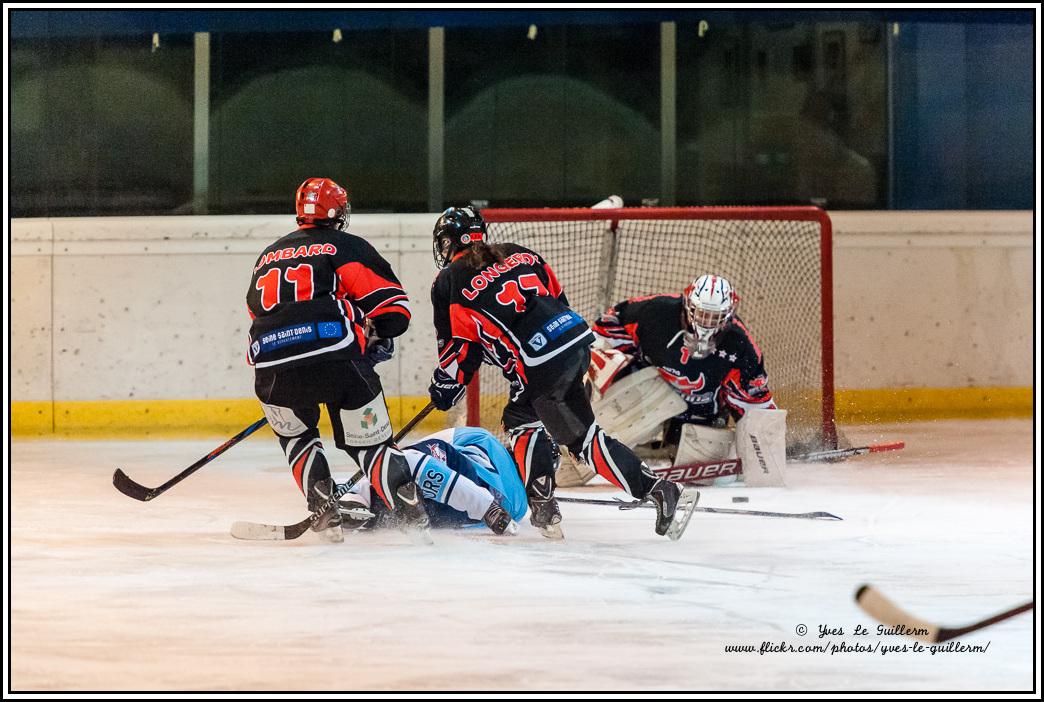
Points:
(450, 464)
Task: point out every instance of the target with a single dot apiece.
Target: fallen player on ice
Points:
(466, 478)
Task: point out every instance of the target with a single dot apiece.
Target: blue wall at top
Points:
(964, 113)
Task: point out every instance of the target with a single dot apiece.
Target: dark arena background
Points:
(867, 179)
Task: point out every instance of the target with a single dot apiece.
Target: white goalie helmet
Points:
(709, 303)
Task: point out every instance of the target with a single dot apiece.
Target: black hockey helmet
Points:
(456, 229)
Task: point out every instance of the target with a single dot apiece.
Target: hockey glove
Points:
(444, 391)
(380, 350)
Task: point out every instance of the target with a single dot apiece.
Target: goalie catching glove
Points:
(444, 391)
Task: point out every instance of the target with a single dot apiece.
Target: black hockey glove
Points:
(444, 391)
(380, 350)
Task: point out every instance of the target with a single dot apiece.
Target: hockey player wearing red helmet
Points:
(325, 307)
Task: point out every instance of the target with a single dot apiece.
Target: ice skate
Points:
(674, 507)
(543, 509)
(499, 521)
(328, 524)
(410, 515)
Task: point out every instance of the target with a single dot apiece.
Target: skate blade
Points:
(683, 513)
(333, 535)
(358, 514)
(552, 531)
(512, 529)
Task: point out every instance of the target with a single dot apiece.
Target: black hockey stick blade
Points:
(123, 482)
(634, 504)
(128, 487)
(871, 601)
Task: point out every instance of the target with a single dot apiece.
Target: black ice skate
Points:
(543, 508)
(674, 507)
(499, 521)
(410, 515)
(328, 525)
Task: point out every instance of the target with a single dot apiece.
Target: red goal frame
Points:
(614, 216)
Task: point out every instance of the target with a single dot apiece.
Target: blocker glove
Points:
(445, 392)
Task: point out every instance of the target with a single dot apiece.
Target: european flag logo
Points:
(330, 330)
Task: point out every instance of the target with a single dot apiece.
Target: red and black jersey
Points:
(653, 329)
(312, 293)
(513, 315)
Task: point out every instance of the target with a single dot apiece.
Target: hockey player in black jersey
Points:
(697, 344)
(503, 305)
(325, 308)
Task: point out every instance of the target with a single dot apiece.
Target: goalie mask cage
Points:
(779, 260)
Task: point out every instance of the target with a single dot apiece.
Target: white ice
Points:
(109, 594)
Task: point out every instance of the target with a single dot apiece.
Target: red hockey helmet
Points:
(322, 202)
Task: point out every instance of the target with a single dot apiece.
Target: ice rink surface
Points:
(112, 594)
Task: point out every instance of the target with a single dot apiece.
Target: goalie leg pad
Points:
(572, 473)
(634, 407)
(761, 443)
(698, 443)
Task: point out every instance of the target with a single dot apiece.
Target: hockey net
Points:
(778, 259)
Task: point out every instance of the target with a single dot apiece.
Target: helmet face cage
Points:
(456, 229)
(322, 202)
(710, 303)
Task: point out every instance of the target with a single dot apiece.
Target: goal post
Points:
(779, 260)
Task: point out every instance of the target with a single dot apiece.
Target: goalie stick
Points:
(634, 504)
(254, 531)
(130, 488)
(708, 470)
(871, 601)
(834, 454)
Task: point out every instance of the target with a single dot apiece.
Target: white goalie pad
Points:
(368, 425)
(702, 444)
(572, 473)
(761, 443)
(698, 443)
(633, 408)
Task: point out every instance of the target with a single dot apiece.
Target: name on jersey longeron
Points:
(483, 279)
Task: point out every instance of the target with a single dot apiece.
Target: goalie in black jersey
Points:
(325, 307)
(503, 305)
(704, 352)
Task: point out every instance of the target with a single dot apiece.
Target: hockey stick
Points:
(255, 531)
(130, 488)
(708, 470)
(871, 601)
(425, 411)
(834, 454)
(634, 504)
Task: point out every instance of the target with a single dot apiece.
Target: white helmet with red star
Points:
(709, 303)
